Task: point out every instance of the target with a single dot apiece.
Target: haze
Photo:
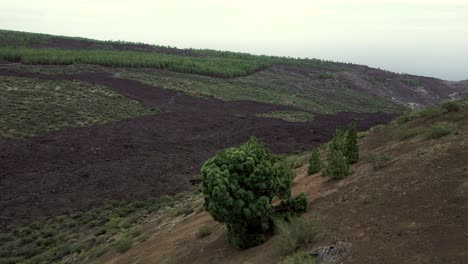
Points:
(422, 37)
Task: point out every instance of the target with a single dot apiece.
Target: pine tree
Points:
(352, 148)
(239, 185)
(315, 164)
(337, 162)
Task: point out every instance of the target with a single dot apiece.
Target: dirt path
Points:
(149, 156)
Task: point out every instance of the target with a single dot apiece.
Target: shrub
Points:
(297, 232)
(456, 117)
(300, 257)
(315, 164)
(352, 148)
(451, 106)
(337, 162)
(123, 244)
(377, 161)
(404, 134)
(327, 75)
(441, 129)
(203, 231)
(365, 199)
(430, 112)
(239, 185)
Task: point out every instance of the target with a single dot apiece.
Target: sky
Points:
(422, 37)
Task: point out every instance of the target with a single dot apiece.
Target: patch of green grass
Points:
(299, 257)
(203, 231)
(377, 161)
(298, 232)
(441, 129)
(291, 116)
(31, 106)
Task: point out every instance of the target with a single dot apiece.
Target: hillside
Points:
(409, 190)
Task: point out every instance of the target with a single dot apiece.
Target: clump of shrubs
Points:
(342, 151)
(239, 185)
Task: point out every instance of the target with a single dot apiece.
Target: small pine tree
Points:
(337, 162)
(239, 185)
(315, 164)
(352, 148)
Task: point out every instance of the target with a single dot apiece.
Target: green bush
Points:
(441, 129)
(123, 244)
(315, 164)
(337, 162)
(451, 106)
(239, 185)
(327, 75)
(352, 148)
(203, 231)
(296, 233)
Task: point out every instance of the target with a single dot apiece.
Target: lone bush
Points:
(441, 129)
(337, 162)
(451, 106)
(315, 164)
(296, 233)
(239, 185)
(352, 148)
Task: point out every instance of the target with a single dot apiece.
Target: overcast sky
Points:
(424, 37)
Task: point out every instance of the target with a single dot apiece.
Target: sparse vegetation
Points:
(315, 164)
(441, 129)
(31, 106)
(239, 185)
(82, 235)
(297, 233)
(377, 161)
